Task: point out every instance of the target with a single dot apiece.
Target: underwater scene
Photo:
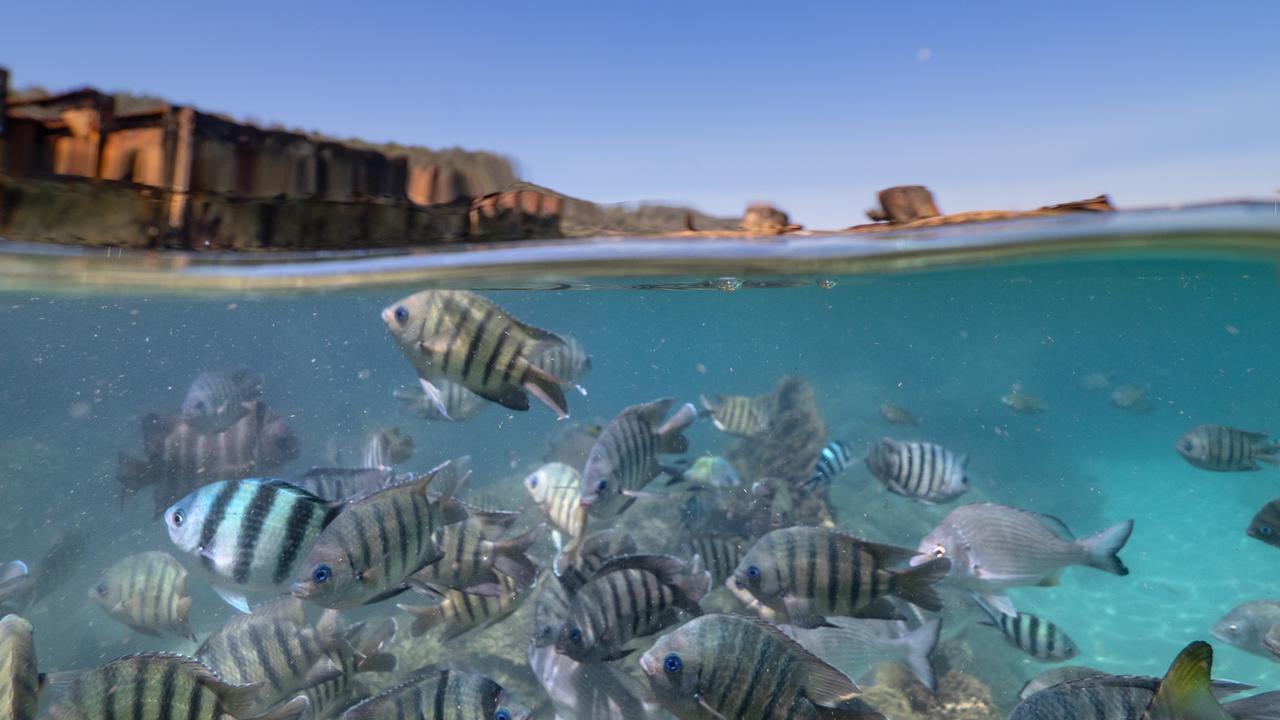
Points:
(1018, 488)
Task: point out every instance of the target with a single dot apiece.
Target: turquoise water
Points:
(81, 367)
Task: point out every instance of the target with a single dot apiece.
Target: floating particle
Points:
(1233, 330)
(80, 410)
(702, 369)
(728, 284)
(364, 374)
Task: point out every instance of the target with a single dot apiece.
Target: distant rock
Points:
(765, 219)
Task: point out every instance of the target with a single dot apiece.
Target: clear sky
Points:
(813, 106)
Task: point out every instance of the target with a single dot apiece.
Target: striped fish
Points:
(1226, 449)
(248, 535)
(625, 456)
(630, 596)
(720, 555)
(19, 681)
(470, 560)
(464, 337)
(593, 552)
(834, 458)
(1038, 638)
(441, 694)
(735, 414)
(362, 651)
(177, 459)
(809, 573)
(557, 491)
(728, 666)
(458, 403)
(272, 647)
(459, 612)
(550, 608)
(368, 552)
(335, 484)
(147, 592)
(159, 686)
(924, 472)
(218, 398)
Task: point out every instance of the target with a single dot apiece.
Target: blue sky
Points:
(814, 106)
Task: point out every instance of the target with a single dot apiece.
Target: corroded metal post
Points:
(183, 152)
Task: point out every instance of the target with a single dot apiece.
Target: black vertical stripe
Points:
(284, 645)
(492, 362)
(260, 650)
(142, 673)
(168, 686)
(251, 524)
(811, 561)
(109, 697)
(833, 587)
(437, 705)
(402, 536)
(296, 530)
(384, 542)
(473, 347)
(511, 362)
(362, 539)
(212, 521)
(195, 702)
(1033, 634)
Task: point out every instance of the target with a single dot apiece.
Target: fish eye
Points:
(533, 482)
(359, 576)
(753, 573)
(1264, 529)
(672, 663)
(939, 551)
(1233, 627)
(600, 486)
(502, 714)
(101, 589)
(178, 517)
(321, 574)
(1188, 445)
(547, 630)
(575, 635)
(402, 314)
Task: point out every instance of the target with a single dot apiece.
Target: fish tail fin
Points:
(566, 556)
(131, 473)
(512, 558)
(920, 645)
(425, 617)
(709, 404)
(1104, 547)
(1184, 691)
(670, 434)
(547, 388)
(1269, 454)
(915, 585)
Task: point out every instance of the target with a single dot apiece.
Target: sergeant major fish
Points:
(921, 471)
(807, 573)
(248, 535)
(625, 456)
(994, 547)
(1226, 449)
(148, 593)
(630, 596)
(20, 684)
(459, 611)
(217, 399)
(720, 554)
(735, 414)
(556, 489)
(1034, 636)
(569, 362)
(368, 552)
(155, 685)
(470, 559)
(834, 458)
(727, 666)
(464, 337)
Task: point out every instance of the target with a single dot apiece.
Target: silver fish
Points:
(456, 403)
(625, 456)
(834, 458)
(922, 471)
(589, 691)
(855, 646)
(1247, 624)
(19, 681)
(993, 547)
(1032, 635)
(898, 415)
(727, 666)
(1226, 449)
(217, 399)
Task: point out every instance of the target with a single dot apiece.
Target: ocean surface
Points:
(945, 332)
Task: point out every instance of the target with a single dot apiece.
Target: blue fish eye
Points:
(533, 482)
(753, 572)
(672, 663)
(575, 635)
(1264, 529)
(179, 517)
(502, 714)
(321, 574)
(402, 314)
(600, 486)
(547, 630)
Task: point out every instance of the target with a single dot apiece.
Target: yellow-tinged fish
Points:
(19, 682)
(735, 414)
(464, 337)
(147, 592)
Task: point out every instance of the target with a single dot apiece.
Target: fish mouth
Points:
(388, 315)
(648, 664)
(301, 590)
